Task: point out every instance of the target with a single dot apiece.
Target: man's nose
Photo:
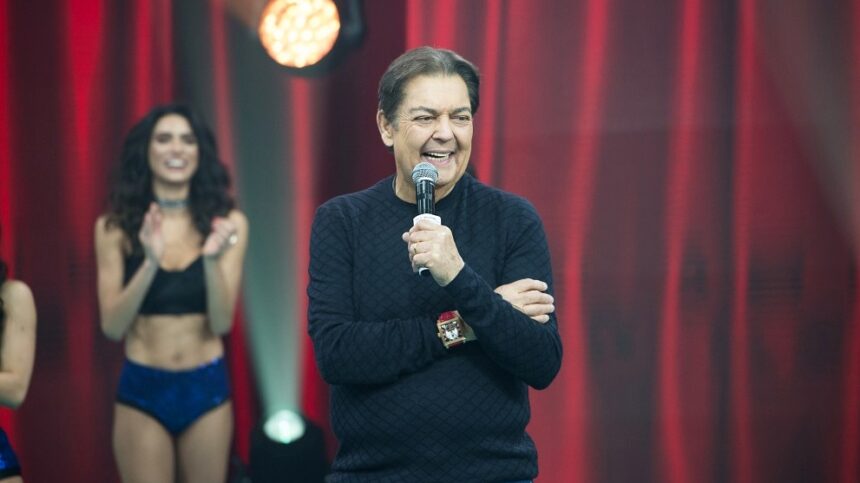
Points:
(443, 128)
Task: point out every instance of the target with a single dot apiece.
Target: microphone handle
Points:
(425, 196)
(424, 271)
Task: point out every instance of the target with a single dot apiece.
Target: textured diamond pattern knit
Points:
(404, 408)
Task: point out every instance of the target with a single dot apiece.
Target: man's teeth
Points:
(437, 155)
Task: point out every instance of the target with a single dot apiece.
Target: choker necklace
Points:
(172, 204)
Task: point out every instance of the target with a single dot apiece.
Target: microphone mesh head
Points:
(424, 170)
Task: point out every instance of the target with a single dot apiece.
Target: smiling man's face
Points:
(433, 124)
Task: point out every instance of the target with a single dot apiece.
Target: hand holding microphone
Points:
(431, 246)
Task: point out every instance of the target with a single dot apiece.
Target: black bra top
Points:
(172, 292)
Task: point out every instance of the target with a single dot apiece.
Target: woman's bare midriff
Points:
(172, 342)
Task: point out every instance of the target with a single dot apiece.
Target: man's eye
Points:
(423, 119)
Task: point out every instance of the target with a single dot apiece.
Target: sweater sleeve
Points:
(529, 350)
(350, 351)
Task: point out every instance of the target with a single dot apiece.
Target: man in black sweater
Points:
(429, 375)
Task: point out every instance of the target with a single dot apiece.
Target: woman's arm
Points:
(118, 305)
(222, 262)
(19, 342)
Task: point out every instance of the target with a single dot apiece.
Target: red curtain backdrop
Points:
(695, 163)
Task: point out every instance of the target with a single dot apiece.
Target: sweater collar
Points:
(387, 185)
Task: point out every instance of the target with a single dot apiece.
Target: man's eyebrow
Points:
(424, 109)
(430, 110)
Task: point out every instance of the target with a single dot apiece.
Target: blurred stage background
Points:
(696, 164)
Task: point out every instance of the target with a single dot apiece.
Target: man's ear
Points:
(386, 130)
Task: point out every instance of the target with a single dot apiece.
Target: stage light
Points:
(298, 33)
(284, 427)
(287, 447)
(305, 35)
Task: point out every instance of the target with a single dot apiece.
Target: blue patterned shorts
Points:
(174, 398)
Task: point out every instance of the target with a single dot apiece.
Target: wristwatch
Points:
(450, 329)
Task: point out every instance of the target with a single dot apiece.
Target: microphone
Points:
(424, 176)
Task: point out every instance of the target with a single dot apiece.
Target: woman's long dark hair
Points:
(131, 189)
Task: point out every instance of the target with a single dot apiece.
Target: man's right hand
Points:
(529, 297)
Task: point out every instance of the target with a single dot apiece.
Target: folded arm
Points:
(529, 348)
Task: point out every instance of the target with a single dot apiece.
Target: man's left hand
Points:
(529, 297)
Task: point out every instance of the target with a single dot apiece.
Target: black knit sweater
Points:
(403, 407)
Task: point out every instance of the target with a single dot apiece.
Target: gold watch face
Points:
(450, 330)
(451, 333)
